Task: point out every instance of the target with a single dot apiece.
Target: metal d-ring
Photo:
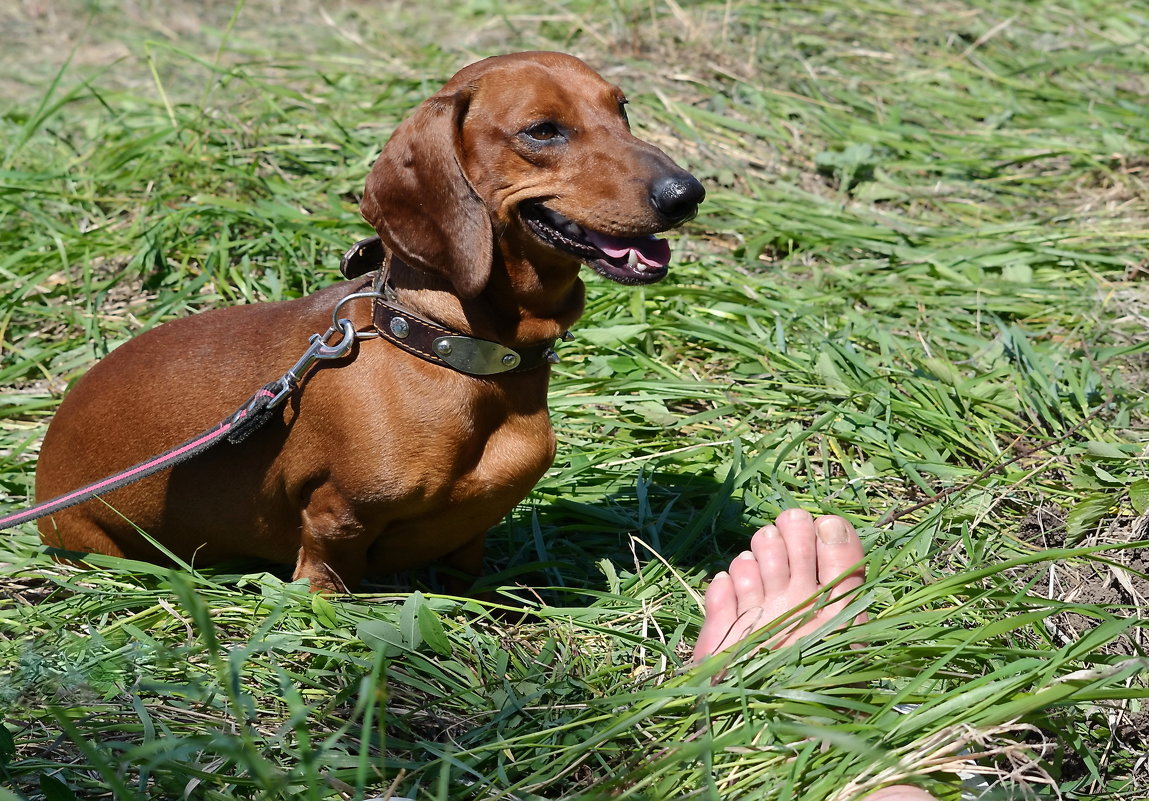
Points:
(353, 296)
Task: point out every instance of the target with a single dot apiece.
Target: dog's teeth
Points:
(633, 263)
(562, 225)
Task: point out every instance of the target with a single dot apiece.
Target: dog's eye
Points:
(543, 131)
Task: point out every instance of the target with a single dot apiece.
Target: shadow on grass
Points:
(552, 549)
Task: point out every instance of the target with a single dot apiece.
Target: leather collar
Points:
(439, 345)
(429, 340)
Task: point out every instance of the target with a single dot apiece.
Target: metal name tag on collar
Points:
(475, 356)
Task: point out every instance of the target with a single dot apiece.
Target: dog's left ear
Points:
(420, 201)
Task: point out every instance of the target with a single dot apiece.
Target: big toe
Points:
(838, 549)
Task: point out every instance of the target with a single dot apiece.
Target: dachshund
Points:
(486, 201)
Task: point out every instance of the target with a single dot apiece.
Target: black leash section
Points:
(235, 429)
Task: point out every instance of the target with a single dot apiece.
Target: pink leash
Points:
(235, 429)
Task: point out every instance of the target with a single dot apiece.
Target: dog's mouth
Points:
(627, 260)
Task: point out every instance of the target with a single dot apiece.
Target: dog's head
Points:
(529, 157)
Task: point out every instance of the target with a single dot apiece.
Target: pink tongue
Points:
(651, 251)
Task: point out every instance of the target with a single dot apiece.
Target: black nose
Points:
(677, 196)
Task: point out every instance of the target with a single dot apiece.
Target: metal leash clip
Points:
(319, 349)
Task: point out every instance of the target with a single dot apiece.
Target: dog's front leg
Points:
(333, 543)
(464, 566)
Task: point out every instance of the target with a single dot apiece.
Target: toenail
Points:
(747, 555)
(770, 531)
(832, 530)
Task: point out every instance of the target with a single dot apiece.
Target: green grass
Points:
(913, 297)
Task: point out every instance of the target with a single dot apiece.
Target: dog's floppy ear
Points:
(420, 201)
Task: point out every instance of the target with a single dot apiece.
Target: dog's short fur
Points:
(488, 196)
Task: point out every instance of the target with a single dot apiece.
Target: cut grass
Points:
(911, 296)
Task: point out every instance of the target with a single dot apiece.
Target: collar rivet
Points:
(443, 347)
(400, 327)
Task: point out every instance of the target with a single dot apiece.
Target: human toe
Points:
(746, 577)
(797, 529)
(769, 549)
(838, 549)
(721, 612)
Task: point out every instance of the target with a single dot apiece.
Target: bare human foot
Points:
(788, 562)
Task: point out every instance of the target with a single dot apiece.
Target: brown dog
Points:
(487, 200)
